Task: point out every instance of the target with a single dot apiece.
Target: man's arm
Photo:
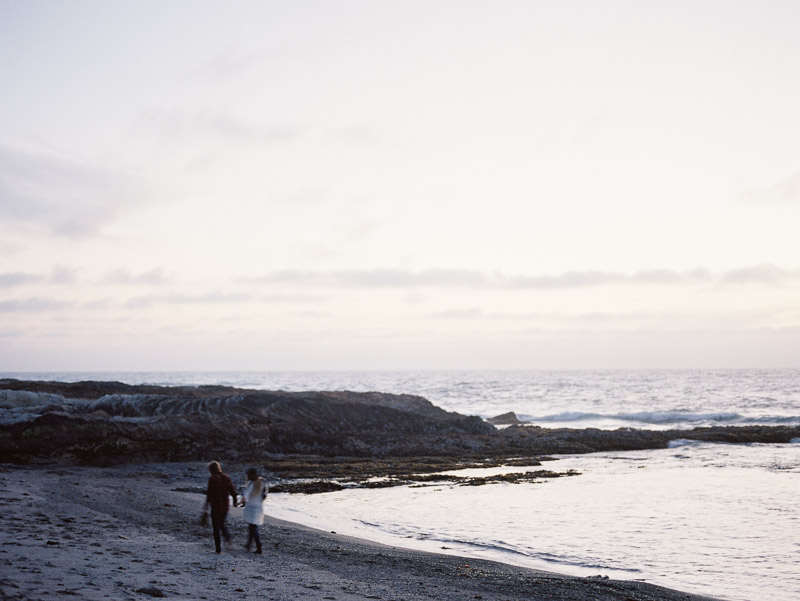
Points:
(232, 491)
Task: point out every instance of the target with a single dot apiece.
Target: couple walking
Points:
(220, 486)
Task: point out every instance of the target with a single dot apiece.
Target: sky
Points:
(345, 185)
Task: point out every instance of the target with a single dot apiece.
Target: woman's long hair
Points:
(258, 482)
(258, 485)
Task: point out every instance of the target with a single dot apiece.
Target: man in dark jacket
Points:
(219, 487)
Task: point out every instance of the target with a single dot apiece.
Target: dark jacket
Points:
(219, 487)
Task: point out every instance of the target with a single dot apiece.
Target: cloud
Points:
(65, 196)
(178, 125)
(465, 278)
(761, 274)
(295, 298)
(785, 190)
(154, 277)
(33, 304)
(227, 64)
(59, 275)
(95, 305)
(8, 280)
(146, 301)
(583, 279)
(657, 320)
(143, 302)
(570, 279)
(699, 275)
(788, 189)
(592, 318)
(377, 278)
(471, 313)
(765, 274)
(63, 275)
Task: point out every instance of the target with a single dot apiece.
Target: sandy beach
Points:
(132, 532)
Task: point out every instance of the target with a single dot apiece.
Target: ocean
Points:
(714, 519)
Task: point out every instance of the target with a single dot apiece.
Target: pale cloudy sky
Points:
(399, 185)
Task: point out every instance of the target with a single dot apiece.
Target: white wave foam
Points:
(647, 417)
(683, 442)
(569, 416)
(664, 418)
(12, 399)
(667, 417)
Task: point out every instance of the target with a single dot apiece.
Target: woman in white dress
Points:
(254, 494)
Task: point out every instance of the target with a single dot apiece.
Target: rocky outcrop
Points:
(110, 422)
(536, 440)
(505, 419)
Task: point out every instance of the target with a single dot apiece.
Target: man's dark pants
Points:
(218, 523)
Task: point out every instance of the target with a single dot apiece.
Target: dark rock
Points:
(506, 419)
(308, 488)
(141, 424)
(193, 489)
(152, 591)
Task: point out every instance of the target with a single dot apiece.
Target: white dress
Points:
(254, 502)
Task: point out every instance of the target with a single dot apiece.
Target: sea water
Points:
(716, 519)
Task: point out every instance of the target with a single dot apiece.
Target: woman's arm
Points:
(247, 490)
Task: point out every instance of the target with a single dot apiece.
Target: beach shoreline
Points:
(130, 532)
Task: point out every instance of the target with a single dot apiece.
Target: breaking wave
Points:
(661, 418)
(13, 399)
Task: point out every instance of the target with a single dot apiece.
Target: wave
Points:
(13, 399)
(527, 556)
(684, 442)
(662, 418)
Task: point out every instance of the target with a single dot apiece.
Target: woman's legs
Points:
(253, 534)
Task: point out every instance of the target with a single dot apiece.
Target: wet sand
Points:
(128, 533)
